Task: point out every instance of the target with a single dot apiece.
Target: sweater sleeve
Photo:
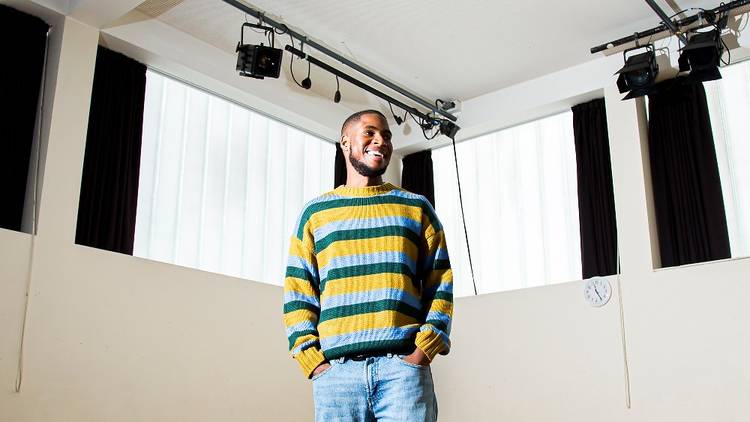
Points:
(302, 305)
(437, 297)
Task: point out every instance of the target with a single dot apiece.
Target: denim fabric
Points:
(384, 388)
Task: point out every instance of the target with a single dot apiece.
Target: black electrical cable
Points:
(291, 68)
(463, 216)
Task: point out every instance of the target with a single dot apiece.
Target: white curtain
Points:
(729, 108)
(221, 186)
(520, 198)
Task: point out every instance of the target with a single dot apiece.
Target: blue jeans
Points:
(383, 388)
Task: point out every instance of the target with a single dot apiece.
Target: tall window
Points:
(729, 107)
(520, 198)
(220, 185)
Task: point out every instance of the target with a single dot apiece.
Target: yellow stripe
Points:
(440, 305)
(301, 249)
(300, 315)
(321, 218)
(292, 284)
(345, 325)
(369, 282)
(366, 246)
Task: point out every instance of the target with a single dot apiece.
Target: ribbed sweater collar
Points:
(344, 190)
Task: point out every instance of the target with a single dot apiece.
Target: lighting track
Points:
(328, 52)
(676, 24)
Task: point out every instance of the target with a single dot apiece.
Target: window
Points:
(520, 198)
(729, 105)
(220, 185)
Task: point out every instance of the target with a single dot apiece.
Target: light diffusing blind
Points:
(221, 186)
(520, 198)
(729, 108)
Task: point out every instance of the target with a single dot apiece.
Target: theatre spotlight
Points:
(258, 61)
(702, 56)
(639, 72)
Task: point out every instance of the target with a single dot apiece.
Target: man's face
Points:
(369, 145)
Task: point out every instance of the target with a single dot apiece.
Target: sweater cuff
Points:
(309, 359)
(430, 343)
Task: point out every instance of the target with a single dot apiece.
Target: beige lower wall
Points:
(15, 250)
(116, 338)
(111, 337)
(544, 355)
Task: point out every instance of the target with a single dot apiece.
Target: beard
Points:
(362, 168)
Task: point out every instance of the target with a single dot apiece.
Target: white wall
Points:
(111, 337)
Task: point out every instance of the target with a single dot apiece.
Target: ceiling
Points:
(437, 48)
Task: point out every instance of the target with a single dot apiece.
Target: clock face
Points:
(597, 291)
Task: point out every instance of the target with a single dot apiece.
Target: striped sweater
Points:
(368, 271)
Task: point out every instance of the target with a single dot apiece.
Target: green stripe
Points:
(368, 269)
(448, 297)
(369, 347)
(369, 307)
(296, 305)
(440, 325)
(361, 201)
(293, 338)
(441, 264)
(301, 274)
(367, 234)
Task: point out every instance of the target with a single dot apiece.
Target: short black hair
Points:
(358, 115)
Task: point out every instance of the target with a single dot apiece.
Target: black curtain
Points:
(25, 38)
(109, 187)
(688, 201)
(596, 202)
(417, 176)
(339, 175)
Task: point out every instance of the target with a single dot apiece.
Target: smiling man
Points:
(368, 293)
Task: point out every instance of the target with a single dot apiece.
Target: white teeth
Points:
(375, 153)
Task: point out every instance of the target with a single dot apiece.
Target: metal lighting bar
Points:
(661, 28)
(667, 21)
(303, 38)
(368, 88)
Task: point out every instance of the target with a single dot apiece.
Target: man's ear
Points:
(345, 143)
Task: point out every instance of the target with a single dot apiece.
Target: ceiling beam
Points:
(100, 13)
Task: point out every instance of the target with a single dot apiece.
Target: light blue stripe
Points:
(367, 223)
(378, 334)
(292, 296)
(441, 253)
(371, 296)
(442, 335)
(443, 286)
(302, 326)
(304, 346)
(301, 263)
(440, 316)
(365, 259)
(405, 194)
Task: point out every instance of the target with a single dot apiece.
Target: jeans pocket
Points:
(409, 364)
(325, 371)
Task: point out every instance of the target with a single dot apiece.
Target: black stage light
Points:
(639, 72)
(702, 56)
(449, 128)
(258, 61)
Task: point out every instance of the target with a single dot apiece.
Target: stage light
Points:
(702, 56)
(258, 61)
(639, 72)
